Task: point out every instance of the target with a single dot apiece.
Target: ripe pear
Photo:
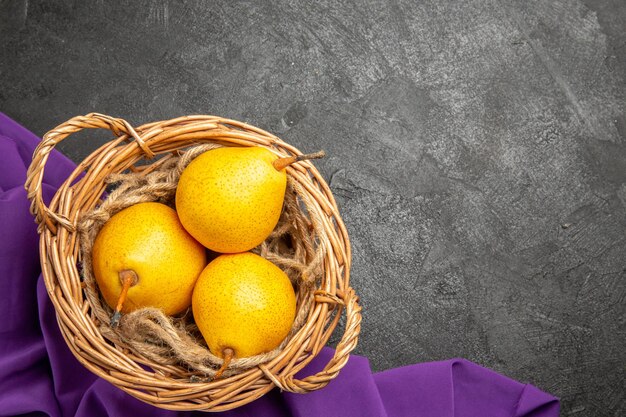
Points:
(244, 305)
(143, 257)
(230, 198)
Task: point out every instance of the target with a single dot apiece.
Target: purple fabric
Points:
(39, 375)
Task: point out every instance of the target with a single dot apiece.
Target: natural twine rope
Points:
(169, 340)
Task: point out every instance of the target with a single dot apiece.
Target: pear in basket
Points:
(244, 305)
(230, 198)
(143, 257)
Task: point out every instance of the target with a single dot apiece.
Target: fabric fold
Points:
(536, 403)
(39, 374)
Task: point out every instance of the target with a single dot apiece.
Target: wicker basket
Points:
(170, 386)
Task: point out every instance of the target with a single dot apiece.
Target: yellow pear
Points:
(230, 198)
(143, 257)
(244, 305)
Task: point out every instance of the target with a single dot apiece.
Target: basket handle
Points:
(348, 342)
(34, 176)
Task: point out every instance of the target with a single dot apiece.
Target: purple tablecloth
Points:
(39, 375)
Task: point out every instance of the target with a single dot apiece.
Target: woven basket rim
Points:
(169, 386)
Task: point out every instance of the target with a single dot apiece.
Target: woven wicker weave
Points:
(168, 386)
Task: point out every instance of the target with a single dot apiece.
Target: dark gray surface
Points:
(477, 150)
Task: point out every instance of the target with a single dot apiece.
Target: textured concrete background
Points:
(477, 150)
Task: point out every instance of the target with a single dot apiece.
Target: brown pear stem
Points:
(228, 354)
(282, 163)
(128, 278)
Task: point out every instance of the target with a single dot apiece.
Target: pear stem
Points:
(229, 354)
(282, 163)
(128, 278)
